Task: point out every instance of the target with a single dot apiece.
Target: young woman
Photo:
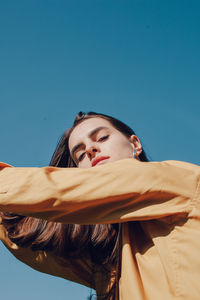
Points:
(126, 227)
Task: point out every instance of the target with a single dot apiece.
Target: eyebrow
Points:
(94, 131)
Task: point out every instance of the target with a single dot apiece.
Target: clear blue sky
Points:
(137, 60)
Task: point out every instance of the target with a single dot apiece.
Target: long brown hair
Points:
(98, 242)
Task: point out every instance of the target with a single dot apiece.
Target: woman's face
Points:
(95, 142)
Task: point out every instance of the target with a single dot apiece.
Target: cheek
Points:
(126, 150)
(84, 164)
(118, 148)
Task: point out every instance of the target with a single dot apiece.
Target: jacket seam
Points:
(176, 266)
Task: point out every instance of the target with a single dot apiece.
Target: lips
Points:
(98, 159)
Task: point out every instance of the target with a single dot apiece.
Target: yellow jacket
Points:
(158, 204)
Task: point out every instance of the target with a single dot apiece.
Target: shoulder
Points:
(182, 164)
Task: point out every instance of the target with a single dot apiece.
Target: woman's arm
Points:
(117, 192)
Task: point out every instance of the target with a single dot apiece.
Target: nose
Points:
(92, 151)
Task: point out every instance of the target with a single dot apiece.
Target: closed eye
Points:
(103, 138)
(81, 156)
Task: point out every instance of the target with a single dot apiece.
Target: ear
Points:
(135, 143)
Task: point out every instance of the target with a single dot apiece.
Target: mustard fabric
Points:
(157, 204)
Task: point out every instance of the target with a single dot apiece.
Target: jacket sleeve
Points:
(122, 191)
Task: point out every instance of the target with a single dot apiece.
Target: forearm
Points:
(117, 192)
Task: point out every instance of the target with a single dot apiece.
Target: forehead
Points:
(84, 128)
